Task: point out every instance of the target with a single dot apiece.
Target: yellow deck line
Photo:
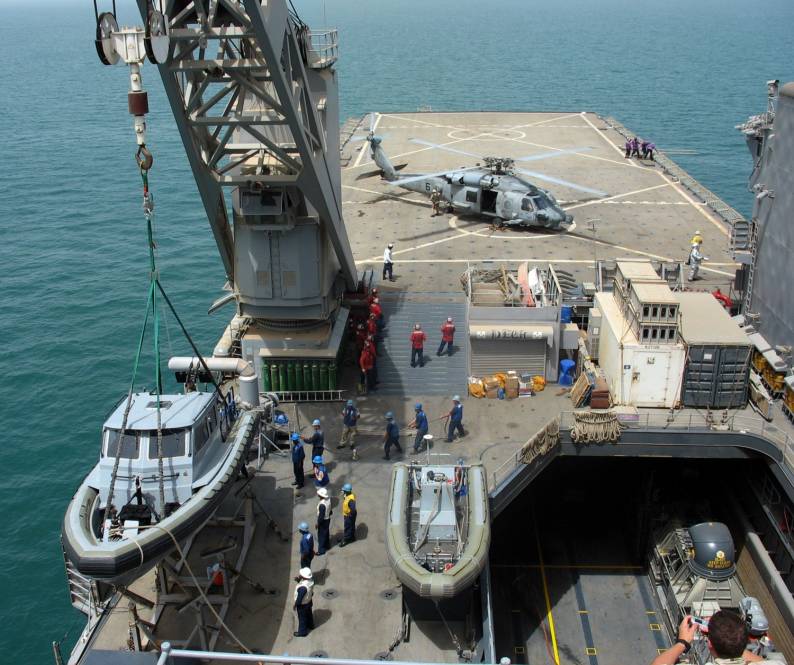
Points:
(549, 615)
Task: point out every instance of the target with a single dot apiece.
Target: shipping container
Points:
(719, 354)
(645, 375)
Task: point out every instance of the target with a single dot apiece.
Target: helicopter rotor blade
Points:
(564, 183)
(422, 176)
(447, 148)
(551, 153)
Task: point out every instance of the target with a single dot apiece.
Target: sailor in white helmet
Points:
(303, 602)
(388, 262)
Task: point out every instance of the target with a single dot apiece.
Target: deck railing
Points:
(677, 422)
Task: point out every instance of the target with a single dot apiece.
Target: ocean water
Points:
(72, 249)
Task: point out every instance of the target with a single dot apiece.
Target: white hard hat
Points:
(306, 573)
(322, 492)
(417, 326)
(316, 422)
(456, 398)
(391, 244)
(449, 319)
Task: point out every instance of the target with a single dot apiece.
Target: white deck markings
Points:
(424, 202)
(574, 154)
(617, 196)
(694, 204)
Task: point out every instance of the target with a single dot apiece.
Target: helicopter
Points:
(493, 190)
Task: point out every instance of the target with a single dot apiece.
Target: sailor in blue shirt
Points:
(321, 477)
(306, 545)
(298, 455)
(455, 419)
(420, 423)
(303, 604)
(317, 439)
(391, 437)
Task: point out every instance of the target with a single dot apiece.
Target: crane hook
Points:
(144, 157)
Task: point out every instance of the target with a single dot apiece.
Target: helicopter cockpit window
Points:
(471, 195)
(526, 204)
(540, 203)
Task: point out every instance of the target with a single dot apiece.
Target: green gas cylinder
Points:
(332, 375)
(323, 376)
(282, 376)
(276, 386)
(298, 375)
(307, 376)
(291, 375)
(266, 378)
(315, 376)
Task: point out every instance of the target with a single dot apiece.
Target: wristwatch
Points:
(687, 645)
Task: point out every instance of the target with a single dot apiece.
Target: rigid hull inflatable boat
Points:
(202, 445)
(438, 528)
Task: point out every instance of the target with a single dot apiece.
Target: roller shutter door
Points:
(489, 356)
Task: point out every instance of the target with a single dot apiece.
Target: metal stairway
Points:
(444, 375)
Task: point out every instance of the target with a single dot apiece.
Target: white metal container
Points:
(638, 374)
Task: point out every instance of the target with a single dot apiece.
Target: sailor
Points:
(298, 455)
(317, 439)
(695, 259)
(361, 336)
(375, 308)
(391, 437)
(349, 513)
(323, 521)
(651, 149)
(321, 477)
(435, 200)
(418, 338)
(635, 147)
(420, 423)
(447, 335)
(306, 545)
(388, 262)
(628, 148)
(366, 363)
(372, 325)
(455, 419)
(350, 416)
(372, 295)
(303, 603)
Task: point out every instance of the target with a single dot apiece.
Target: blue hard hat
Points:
(350, 402)
(295, 436)
(347, 488)
(281, 419)
(389, 415)
(316, 422)
(418, 406)
(303, 527)
(317, 459)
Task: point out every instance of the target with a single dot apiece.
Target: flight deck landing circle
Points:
(495, 134)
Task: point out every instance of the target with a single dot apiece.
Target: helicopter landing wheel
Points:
(498, 223)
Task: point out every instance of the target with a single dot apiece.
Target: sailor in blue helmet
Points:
(306, 545)
(317, 439)
(303, 602)
(349, 512)
(350, 416)
(391, 437)
(420, 423)
(321, 477)
(298, 455)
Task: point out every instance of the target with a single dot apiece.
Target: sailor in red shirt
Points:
(372, 325)
(372, 295)
(361, 337)
(418, 338)
(366, 362)
(447, 333)
(375, 309)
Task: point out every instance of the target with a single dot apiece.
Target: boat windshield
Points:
(173, 443)
(130, 444)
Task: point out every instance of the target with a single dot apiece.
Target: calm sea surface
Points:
(72, 250)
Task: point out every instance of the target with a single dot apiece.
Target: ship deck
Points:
(645, 215)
